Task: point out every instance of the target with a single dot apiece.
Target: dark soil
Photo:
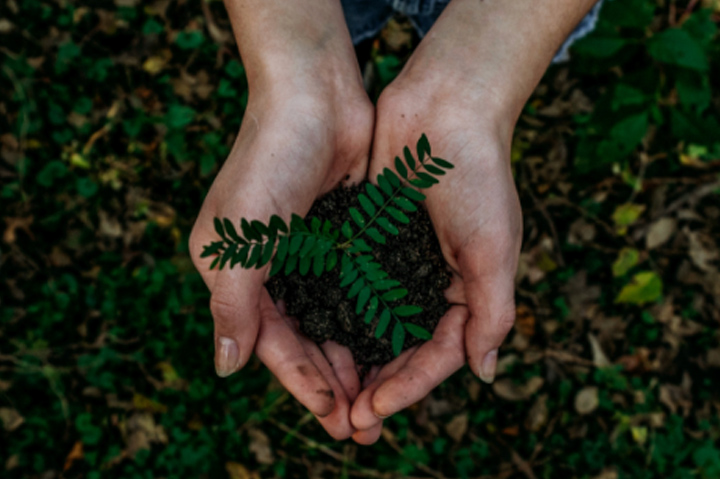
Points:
(413, 257)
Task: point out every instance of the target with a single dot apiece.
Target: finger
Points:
(433, 362)
(368, 437)
(362, 415)
(282, 352)
(490, 291)
(337, 423)
(343, 365)
(235, 307)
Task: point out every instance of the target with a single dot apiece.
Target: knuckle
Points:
(223, 307)
(506, 320)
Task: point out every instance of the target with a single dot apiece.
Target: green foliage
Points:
(670, 65)
(321, 247)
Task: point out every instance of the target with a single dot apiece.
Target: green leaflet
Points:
(423, 147)
(372, 309)
(357, 217)
(442, 163)
(387, 226)
(398, 215)
(385, 185)
(434, 170)
(219, 228)
(375, 234)
(355, 288)
(374, 194)
(282, 250)
(394, 294)
(402, 171)
(383, 323)
(347, 230)
(409, 158)
(414, 195)
(405, 204)
(211, 249)
(363, 298)
(261, 229)
(418, 331)
(407, 310)
(249, 232)
(231, 232)
(367, 205)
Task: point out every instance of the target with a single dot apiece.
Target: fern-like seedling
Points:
(319, 246)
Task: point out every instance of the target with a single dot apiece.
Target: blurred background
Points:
(116, 115)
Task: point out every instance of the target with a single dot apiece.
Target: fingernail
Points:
(381, 417)
(489, 364)
(226, 357)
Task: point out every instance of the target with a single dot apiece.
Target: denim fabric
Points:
(365, 18)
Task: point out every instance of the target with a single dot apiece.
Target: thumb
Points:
(490, 293)
(235, 307)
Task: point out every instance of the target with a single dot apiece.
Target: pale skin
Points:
(309, 128)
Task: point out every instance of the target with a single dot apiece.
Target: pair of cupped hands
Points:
(307, 132)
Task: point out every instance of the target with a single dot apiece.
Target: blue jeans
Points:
(365, 18)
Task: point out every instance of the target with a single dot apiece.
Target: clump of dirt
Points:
(413, 257)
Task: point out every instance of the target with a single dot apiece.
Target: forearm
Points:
(497, 49)
(278, 40)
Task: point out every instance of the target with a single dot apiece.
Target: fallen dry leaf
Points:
(508, 390)
(607, 473)
(238, 471)
(13, 224)
(11, 419)
(260, 446)
(586, 400)
(538, 415)
(143, 403)
(76, 454)
(703, 250)
(525, 320)
(505, 362)
(659, 232)
(599, 358)
(457, 427)
(109, 225)
(140, 431)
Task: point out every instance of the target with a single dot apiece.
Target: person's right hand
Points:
(301, 136)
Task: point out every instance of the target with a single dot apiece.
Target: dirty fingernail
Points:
(489, 364)
(227, 356)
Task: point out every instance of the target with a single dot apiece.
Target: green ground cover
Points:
(114, 119)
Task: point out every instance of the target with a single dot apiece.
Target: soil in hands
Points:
(413, 257)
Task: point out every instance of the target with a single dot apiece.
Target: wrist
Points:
(285, 43)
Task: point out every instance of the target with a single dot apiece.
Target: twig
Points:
(688, 11)
(311, 443)
(565, 357)
(521, 464)
(338, 472)
(691, 197)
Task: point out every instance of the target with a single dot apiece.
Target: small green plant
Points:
(321, 246)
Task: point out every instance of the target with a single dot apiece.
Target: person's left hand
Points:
(476, 214)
